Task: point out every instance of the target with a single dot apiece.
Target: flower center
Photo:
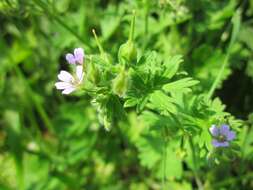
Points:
(75, 81)
(221, 138)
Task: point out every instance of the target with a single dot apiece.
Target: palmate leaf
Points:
(150, 150)
(158, 121)
(151, 65)
(151, 75)
(161, 102)
(191, 105)
(152, 155)
(173, 166)
(152, 146)
(110, 111)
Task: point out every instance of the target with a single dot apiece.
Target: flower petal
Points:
(62, 85)
(65, 76)
(70, 58)
(224, 144)
(214, 130)
(79, 55)
(216, 143)
(230, 135)
(68, 90)
(224, 129)
(79, 73)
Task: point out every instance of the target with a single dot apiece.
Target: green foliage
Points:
(156, 77)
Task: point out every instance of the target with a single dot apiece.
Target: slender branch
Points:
(195, 168)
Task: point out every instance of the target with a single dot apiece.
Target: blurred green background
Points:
(49, 141)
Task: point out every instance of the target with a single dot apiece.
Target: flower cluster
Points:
(222, 135)
(68, 82)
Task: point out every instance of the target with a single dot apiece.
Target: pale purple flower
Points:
(77, 57)
(69, 83)
(222, 135)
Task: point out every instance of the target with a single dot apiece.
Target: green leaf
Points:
(161, 102)
(130, 102)
(172, 65)
(173, 167)
(182, 85)
(150, 150)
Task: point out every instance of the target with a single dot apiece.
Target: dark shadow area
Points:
(237, 94)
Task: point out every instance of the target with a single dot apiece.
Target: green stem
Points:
(20, 173)
(236, 26)
(195, 167)
(218, 77)
(146, 21)
(164, 158)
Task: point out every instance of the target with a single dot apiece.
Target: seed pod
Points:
(120, 83)
(127, 52)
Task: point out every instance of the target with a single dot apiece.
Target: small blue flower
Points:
(222, 135)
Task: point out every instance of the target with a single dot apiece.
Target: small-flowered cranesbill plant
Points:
(158, 91)
(221, 135)
(68, 82)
